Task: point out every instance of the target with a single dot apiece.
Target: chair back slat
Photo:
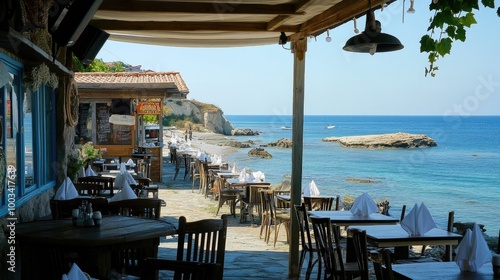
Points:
(206, 240)
(329, 251)
(361, 250)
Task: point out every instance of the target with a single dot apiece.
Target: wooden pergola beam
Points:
(119, 25)
(197, 8)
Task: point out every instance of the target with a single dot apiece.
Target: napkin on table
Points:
(364, 206)
(259, 176)
(473, 251)
(123, 168)
(125, 193)
(66, 191)
(130, 163)
(311, 189)
(233, 170)
(89, 172)
(75, 273)
(418, 221)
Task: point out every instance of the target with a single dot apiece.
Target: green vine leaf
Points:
(448, 25)
(443, 47)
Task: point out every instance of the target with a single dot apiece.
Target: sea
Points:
(461, 174)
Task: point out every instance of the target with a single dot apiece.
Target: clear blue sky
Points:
(258, 80)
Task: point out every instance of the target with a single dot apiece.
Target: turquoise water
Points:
(462, 173)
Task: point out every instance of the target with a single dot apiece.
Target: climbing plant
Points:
(447, 25)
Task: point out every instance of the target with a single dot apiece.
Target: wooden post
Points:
(299, 49)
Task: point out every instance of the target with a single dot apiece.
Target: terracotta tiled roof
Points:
(152, 79)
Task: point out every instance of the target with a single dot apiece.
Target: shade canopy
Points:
(204, 23)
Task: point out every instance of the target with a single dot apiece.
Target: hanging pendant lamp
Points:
(372, 40)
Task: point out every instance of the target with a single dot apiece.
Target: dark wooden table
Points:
(439, 270)
(48, 246)
(395, 236)
(347, 219)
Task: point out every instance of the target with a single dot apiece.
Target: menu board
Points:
(84, 126)
(108, 133)
(103, 127)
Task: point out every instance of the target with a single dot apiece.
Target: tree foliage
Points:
(98, 65)
(448, 24)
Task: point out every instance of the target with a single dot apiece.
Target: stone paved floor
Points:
(247, 255)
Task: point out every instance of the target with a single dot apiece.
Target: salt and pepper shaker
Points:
(97, 217)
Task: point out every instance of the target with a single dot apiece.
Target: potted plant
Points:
(88, 153)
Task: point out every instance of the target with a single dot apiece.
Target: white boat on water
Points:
(329, 127)
(286, 127)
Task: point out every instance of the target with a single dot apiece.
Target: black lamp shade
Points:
(363, 43)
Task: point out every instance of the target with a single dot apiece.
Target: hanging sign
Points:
(148, 108)
(122, 119)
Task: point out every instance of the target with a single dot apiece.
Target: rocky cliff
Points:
(394, 140)
(209, 115)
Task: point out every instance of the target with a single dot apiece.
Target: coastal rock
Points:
(379, 141)
(259, 152)
(281, 143)
(244, 132)
(209, 115)
(235, 144)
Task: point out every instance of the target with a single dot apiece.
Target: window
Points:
(27, 135)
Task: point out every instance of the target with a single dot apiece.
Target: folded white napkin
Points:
(364, 205)
(473, 251)
(243, 173)
(418, 221)
(66, 191)
(125, 193)
(75, 273)
(130, 163)
(217, 160)
(259, 176)
(89, 172)
(233, 170)
(311, 189)
(123, 168)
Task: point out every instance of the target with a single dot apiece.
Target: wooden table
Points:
(346, 218)
(439, 270)
(46, 247)
(395, 236)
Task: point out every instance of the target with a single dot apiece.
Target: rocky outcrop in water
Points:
(381, 141)
(281, 143)
(244, 132)
(236, 144)
(259, 152)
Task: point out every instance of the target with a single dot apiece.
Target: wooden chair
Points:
(361, 250)
(105, 184)
(181, 269)
(202, 241)
(266, 217)
(382, 264)
(252, 201)
(319, 203)
(140, 207)
(327, 238)
(87, 189)
(226, 195)
(182, 161)
(306, 241)
(62, 209)
(277, 217)
(195, 171)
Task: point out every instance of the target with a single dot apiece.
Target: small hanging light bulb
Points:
(411, 9)
(356, 30)
(383, 6)
(328, 38)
